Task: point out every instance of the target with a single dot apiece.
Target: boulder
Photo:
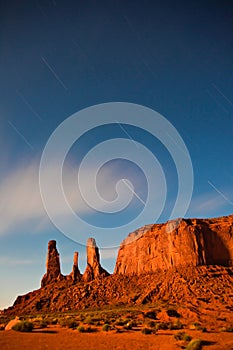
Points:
(12, 323)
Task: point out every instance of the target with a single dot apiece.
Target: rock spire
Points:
(53, 271)
(93, 269)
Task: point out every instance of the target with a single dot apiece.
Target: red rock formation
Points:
(93, 269)
(75, 274)
(53, 271)
(191, 242)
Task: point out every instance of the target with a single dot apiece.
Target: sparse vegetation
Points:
(90, 329)
(81, 329)
(146, 331)
(195, 344)
(173, 313)
(150, 314)
(226, 329)
(182, 336)
(176, 325)
(23, 326)
(162, 325)
(195, 326)
(130, 325)
(69, 322)
(88, 320)
(106, 327)
(43, 324)
(150, 323)
(122, 321)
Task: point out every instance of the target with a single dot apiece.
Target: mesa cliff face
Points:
(156, 262)
(192, 242)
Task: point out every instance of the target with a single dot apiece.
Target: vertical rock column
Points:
(53, 271)
(75, 274)
(93, 269)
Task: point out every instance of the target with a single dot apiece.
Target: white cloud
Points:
(8, 261)
(108, 253)
(20, 200)
(207, 204)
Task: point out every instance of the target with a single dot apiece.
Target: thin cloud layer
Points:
(207, 204)
(21, 203)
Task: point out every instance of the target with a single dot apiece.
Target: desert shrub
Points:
(53, 321)
(195, 344)
(122, 321)
(43, 324)
(182, 336)
(173, 313)
(81, 329)
(222, 329)
(196, 325)
(150, 314)
(176, 325)
(69, 322)
(226, 329)
(204, 329)
(150, 323)
(130, 325)
(179, 336)
(106, 327)
(146, 331)
(162, 325)
(107, 320)
(90, 329)
(89, 320)
(4, 319)
(187, 337)
(23, 326)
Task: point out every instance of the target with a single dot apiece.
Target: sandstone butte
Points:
(179, 254)
(187, 242)
(93, 269)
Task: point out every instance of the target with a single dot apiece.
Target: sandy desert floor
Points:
(56, 338)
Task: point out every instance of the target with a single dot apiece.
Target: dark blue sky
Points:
(58, 57)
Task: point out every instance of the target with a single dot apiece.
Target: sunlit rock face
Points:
(93, 269)
(75, 274)
(186, 242)
(53, 270)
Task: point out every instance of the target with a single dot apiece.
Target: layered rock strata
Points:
(184, 242)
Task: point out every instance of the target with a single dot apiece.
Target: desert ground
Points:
(187, 306)
(56, 338)
(117, 328)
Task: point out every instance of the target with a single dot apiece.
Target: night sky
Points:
(59, 57)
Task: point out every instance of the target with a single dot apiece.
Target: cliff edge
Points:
(192, 242)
